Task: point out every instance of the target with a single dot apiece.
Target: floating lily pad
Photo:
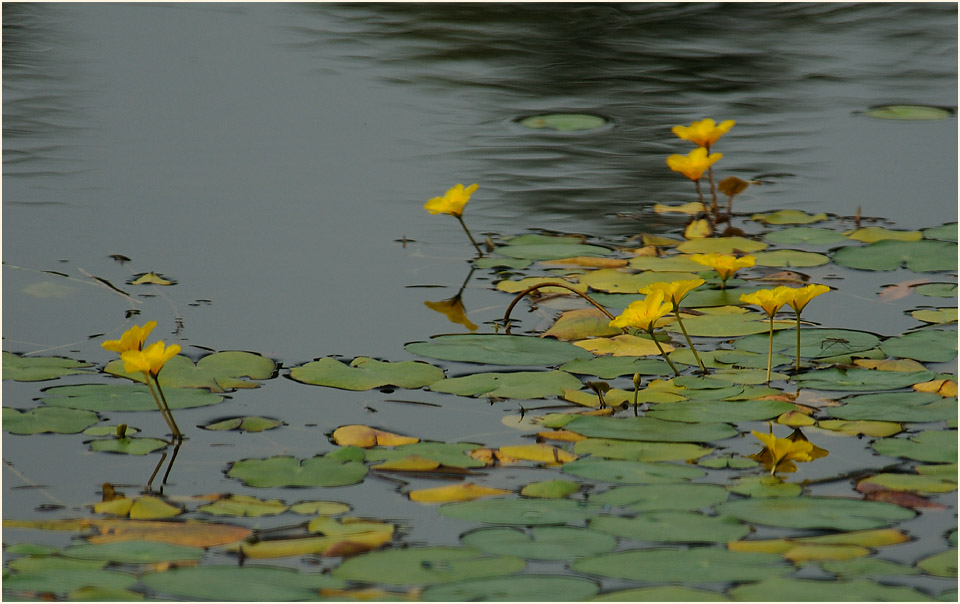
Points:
(630, 472)
(790, 258)
(133, 552)
(727, 461)
(581, 323)
(640, 451)
(666, 264)
(47, 419)
(564, 122)
(521, 384)
(453, 455)
(666, 593)
(36, 369)
(550, 489)
(365, 373)
(649, 429)
(542, 542)
(702, 298)
(611, 367)
(787, 589)
(896, 407)
(340, 467)
(625, 345)
(515, 287)
(764, 486)
(240, 583)
(244, 506)
(928, 345)
(613, 280)
(45, 563)
(871, 234)
(908, 112)
(937, 290)
(946, 232)
(521, 588)
(867, 567)
(250, 423)
(939, 315)
(659, 565)
(920, 256)
(218, 372)
(319, 508)
(673, 527)
(129, 446)
(932, 445)
(498, 349)
(124, 397)
(721, 245)
(861, 379)
(530, 512)
(788, 217)
(492, 262)
(716, 411)
(63, 580)
(943, 564)
(814, 343)
(729, 325)
(663, 497)
(426, 565)
(911, 482)
(805, 235)
(551, 251)
(816, 512)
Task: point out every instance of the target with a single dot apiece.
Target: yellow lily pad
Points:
(721, 245)
(548, 454)
(623, 346)
(890, 364)
(514, 287)
(658, 240)
(366, 437)
(946, 388)
(690, 209)
(865, 427)
(614, 397)
(410, 463)
(788, 217)
(698, 229)
(621, 282)
(871, 234)
(940, 315)
(806, 553)
(151, 279)
(677, 263)
(587, 262)
(581, 323)
(457, 492)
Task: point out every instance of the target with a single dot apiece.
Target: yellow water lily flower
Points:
(674, 291)
(803, 295)
(780, 453)
(642, 314)
(770, 300)
(705, 132)
(150, 360)
(452, 202)
(132, 339)
(693, 164)
(725, 264)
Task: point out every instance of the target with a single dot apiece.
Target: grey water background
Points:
(268, 157)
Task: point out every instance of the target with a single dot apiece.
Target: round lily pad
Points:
(365, 373)
(498, 349)
(563, 122)
(663, 497)
(639, 451)
(726, 411)
(611, 367)
(521, 588)
(887, 255)
(453, 455)
(673, 527)
(529, 512)
(896, 407)
(133, 552)
(217, 372)
(908, 112)
(250, 423)
(721, 245)
(239, 583)
(946, 232)
(787, 589)
(47, 419)
(64, 580)
(129, 446)
(937, 290)
(630, 472)
(542, 542)
(858, 379)
(124, 397)
(649, 429)
(659, 565)
(551, 251)
(814, 343)
(426, 565)
(805, 235)
(929, 345)
(816, 512)
(666, 593)
(36, 369)
(790, 258)
(943, 564)
(788, 217)
(932, 445)
(337, 468)
(521, 384)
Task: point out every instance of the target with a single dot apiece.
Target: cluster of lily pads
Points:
(641, 478)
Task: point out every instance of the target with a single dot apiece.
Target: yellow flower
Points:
(725, 264)
(644, 313)
(705, 132)
(454, 311)
(149, 360)
(675, 291)
(770, 300)
(452, 201)
(132, 339)
(693, 164)
(803, 295)
(780, 453)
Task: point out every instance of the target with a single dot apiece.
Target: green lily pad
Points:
(44, 563)
(250, 423)
(871, 234)
(550, 489)
(133, 552)
(521, 384)
(920, 256)
(816, 512)
(551, 251)
(30, 549)
(530, 512)
(611, 367)
(340, 467)
(512, 286)
(932, 446)
(244, 506)
(667, 593)
(939, 315)
(659, 565)
(47, 419)
(639, 451)
(805, 235)
(129, 446)
(103, 594)
(109, 431)
(649, 429)
(542, 542)
(720, 411)
(498, 349)
(727, 461)
(564, 122)
(790, 258)
(240, 583)
(613, 280)
(927, 345)
(521, 588)
(912, 482)
(704, 298)
(320, 508)
(663, 497)
(867, 567)
(809, 590)
(668, 264)
(946, 232)
(630, 472)
(673, 527)
(426, 565)
(937, 290)
(124, 397)
(453, 455)
(365, 373)
(861, 379)
(943, 564)
(729, 325)
(908, 112)
(581, 323)
(63, 580)
(218, 372)
(896, 407)
(788, 217)
(814, 343)
(721, 245)
(37, 369)
(764, 486)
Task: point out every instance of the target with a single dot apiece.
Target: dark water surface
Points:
(268, 157)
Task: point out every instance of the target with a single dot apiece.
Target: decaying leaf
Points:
(467, 491)
(366, 437)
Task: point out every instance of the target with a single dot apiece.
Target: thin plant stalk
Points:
(636, 393)
(770, 352)
(797, 370)
(467, 231)
(664, 354)
(715, 207)
(676, 310)
(164, 408)
(699, 190)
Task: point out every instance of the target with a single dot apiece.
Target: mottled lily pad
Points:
(530, 512)
(340, 467)
(649, 429)
(218, 372)
(520, 588)
(36, 369)
(932, 445)
(542, 542)
(816, 512)
(124, 397)
(928, 345)
(908, 112)
(521, 384)
(660, 565)
(47, 419)
(673, 527)
(920, 256)
(498, 349)
(239, 583)
(426, 565)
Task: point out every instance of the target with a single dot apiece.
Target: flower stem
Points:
(467, 231)
(715, 207)
(797, 371)
(662, 353)
(169, 414)
(676, 311)
(770, 351)
(506, 315)
(699, 191)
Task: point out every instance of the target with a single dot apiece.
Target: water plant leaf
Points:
(466, 491)
(939, 315)
(521, 384)
(630, 472)
(47, 419)
(563, 122)
(659, 565)
(365, 373)
(496, 349)
(727, 461)
(218, 372)
(452, 455)
(192, 533)
(530, 512)
(37, 369)
(319, 508)
(547, 454)
(871, 234)
(613, 280)
(128, 446)
(520, 588)
(860, 379)
(666, 593)
(908, 112)
(581, 323)
(945, 232)
(124, 397)
(788, 217)
(494, 262)
(239, 583)
(896, 407)
(938, 290)
(698, 411)
(787, 588)
(663, 497)
(586, 261)
(614, 397)
(44, 563)
(673, 527)
(805, 235)
(611, 367)
(513, 287)
(920, 256)
(701, 298)
(790, 258)
(721, 245)
(649, 429)
(551, 251)
(426, 565)
(764, 486)
(945, 388)
(928, 345)
(812, 512)
(244, 506)
(337, 468)
(133, 552)
(550, 489)
(943, 564)
(910, 482)
(690, 209)
(861, 427)
(63, 580)
(249, 423)
(640, 451)
(730, 325)
(814, 343)
(366, 437)
(666, 264)
(623, 346)
(930, 445)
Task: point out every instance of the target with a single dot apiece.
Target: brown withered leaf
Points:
(889, 293)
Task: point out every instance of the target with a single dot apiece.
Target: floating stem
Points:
(467, 231)
(676, 310)
(506, 315)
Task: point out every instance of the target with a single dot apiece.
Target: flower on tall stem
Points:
(771, 301)
(801, 297)
(643, 314)
(675, 292)
(704, 134)
(726, 265)
(693, 165)
(452, 202)
(132, 339)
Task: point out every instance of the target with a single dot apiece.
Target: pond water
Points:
(273, 160)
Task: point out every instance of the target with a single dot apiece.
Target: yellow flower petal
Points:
(642, 314)
(674, 291)
(725, 264)
(803, 295)
(452, 202)
(770, 300)
(693, 164)
(132, 339)
(705, 132)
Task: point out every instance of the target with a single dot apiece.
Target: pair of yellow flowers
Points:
(772, 300)
(135, 357)
(703, 134)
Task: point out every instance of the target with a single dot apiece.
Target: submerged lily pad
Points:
(530, 512)
(542, 542)
(563, 122)
(908, 112)
(887, 255)
(365, 373)
(673, 527)
(124, 397)
(47, 419)
(218, 372)
(36, 369)
(929, 345)
(816, 512)
(520, 588)
(521, 384)
(337, 468)
(660, 565)
(240, 583)
(663, 497)
(426, 565)
(498, 349)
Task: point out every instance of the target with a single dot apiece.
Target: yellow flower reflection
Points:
(726, 265)
(693, 164)
(454, 310)
(132, 339)
(705, 132)
(150, 360)
(779, 454)
(452, 202)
